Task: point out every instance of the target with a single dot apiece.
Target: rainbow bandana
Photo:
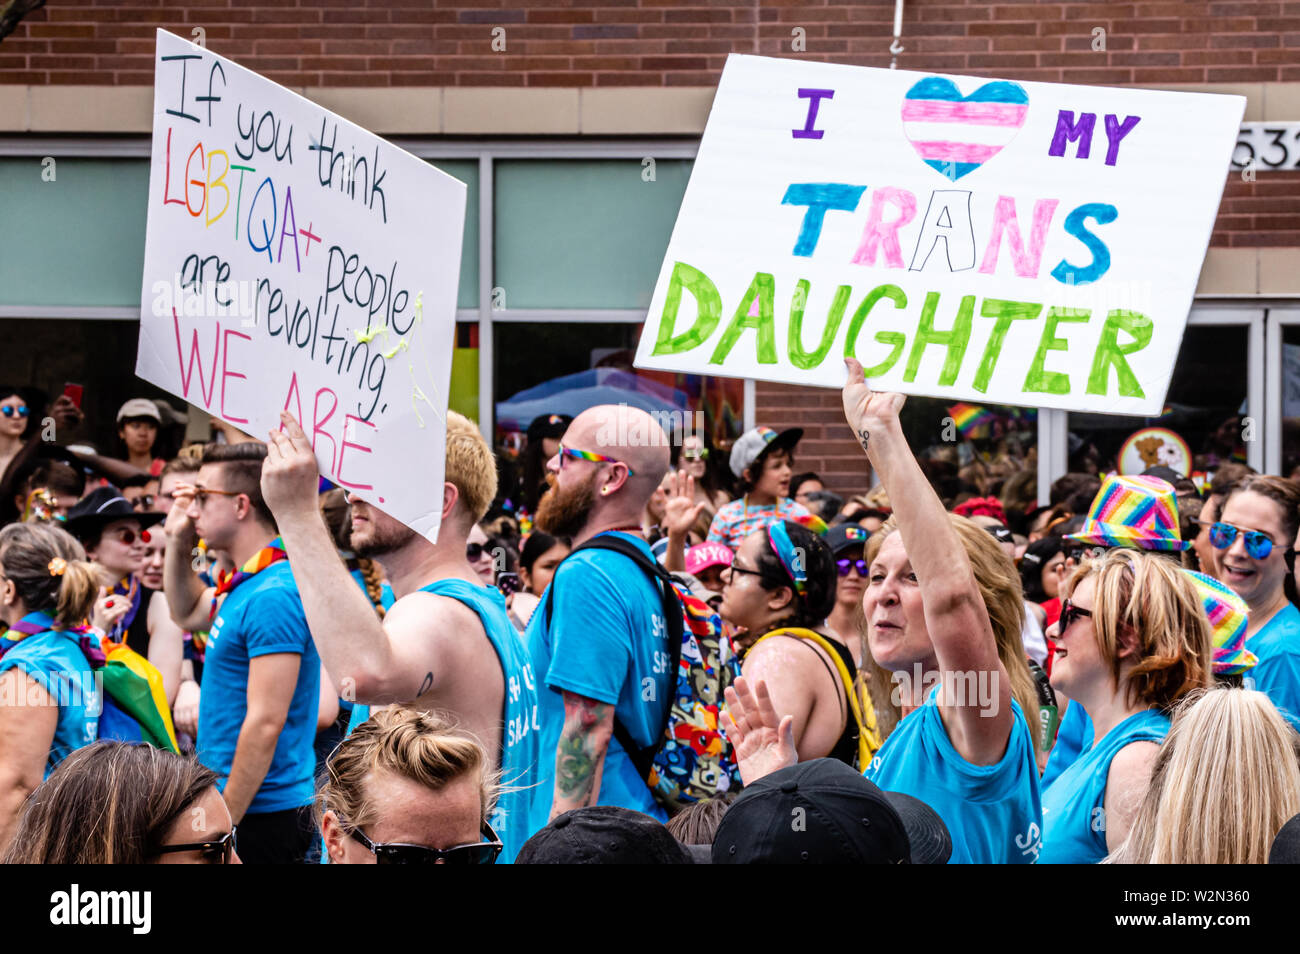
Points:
(812, 522)
(1227, 613)
(1136, 512)
(33, 624)
(273, 552)
(785, 552)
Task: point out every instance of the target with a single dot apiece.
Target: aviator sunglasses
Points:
(1258, 545)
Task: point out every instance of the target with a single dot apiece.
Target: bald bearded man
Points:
(601, 651)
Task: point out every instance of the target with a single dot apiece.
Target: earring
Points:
(605, 489)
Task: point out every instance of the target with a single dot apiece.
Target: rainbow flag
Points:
(972, 420)
(134, 686)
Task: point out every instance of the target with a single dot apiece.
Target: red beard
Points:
(563, 513)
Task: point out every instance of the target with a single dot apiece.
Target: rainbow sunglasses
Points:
(594, 458)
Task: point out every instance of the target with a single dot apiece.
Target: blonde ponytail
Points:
(77, 593)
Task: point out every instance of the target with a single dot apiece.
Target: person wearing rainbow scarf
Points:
(261, 672)
(50, 700)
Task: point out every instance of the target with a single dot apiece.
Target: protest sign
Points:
(295, 261)
(1019, 243)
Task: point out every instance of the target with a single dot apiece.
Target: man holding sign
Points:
(447, 643)
(1017, 243)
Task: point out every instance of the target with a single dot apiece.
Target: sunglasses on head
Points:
(845, 565)
(1258, 545)
(10, 410)
(216, 852)
(479, 853)
(1070, 613)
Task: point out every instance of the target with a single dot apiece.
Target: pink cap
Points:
(704, 555)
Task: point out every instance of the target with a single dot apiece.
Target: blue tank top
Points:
(55, 662)
(1072, 736)
(1074, 813)
(519, 735)
(992, 812)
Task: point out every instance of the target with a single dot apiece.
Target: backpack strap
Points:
(868, 735)
(642, 758)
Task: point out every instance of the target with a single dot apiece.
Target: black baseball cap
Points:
(603, 835)
(824, 812)
(846, 536)
(1286, 846)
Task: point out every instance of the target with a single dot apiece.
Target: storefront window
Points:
(1204, 419)
(544, 368)
(973, 450)
(1290, 400)
(582, 233)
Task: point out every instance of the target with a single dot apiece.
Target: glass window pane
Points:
(77, 239)
(974, 450)
(466, 170)
(583, 234)
(463, 394)
(1205, 407)
(1291, 400)
(564, 368)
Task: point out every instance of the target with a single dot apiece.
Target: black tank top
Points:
(137, 634)
(846, 747)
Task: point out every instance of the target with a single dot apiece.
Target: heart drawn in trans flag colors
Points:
(956, 134)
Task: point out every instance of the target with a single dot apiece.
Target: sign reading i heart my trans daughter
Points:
(295, 261)
(1020, 243)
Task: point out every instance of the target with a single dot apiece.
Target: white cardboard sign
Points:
(294, 260)
(1020, 243)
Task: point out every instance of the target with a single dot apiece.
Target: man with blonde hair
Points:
(447, 642)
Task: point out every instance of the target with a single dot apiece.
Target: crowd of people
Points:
(633, 650)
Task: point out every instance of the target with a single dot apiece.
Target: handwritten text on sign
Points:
(1016, 243)
(294, 260)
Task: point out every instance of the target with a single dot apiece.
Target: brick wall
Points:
(658, 42)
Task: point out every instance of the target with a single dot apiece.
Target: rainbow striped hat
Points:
(1227, 613)
(1136, 512)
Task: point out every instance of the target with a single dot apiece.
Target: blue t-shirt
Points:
(1277, 674)
(993, 812)
(261, 616)
(1073, 735)
(1074, 805)
(55, 662)
(519, 717)
(607, 640)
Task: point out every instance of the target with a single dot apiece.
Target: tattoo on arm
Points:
(426, 685)
(581, 750)
(863, 437)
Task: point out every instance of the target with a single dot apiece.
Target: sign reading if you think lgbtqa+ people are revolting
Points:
(293, 260)
(1018, 243)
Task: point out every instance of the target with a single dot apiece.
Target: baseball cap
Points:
(1286, 845)
(704, 555)
(139, 407)
(753, 444)
(845, 536)
(824, 812)
(603, 835)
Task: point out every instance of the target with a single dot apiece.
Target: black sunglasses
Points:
(216, 852)
(479, 853)
(1070, 613)
(474, 550)
(845, 565)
